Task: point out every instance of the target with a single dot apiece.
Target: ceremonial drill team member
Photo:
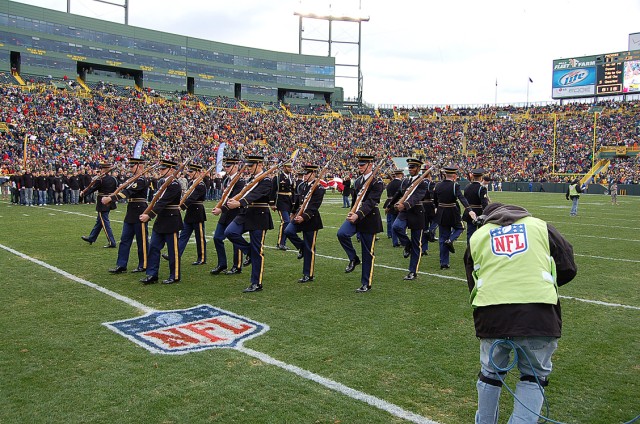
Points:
(105, 185)
(136, 193)
(281, 200)
(226, 217)
(166, 228)
(514, 264)
(430, 224)
(392, 189)
(308, 221)
(365, 221)
(410, 215)
(446, 195)
(254, 217)
(195, 217)
(476, 195)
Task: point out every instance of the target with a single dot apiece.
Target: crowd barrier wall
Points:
(623, 189)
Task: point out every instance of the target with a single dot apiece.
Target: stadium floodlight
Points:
(331, 17)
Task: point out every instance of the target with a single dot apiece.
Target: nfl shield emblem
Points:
(188, 330)
(509, 240)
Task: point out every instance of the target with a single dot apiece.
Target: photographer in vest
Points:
(514, 264)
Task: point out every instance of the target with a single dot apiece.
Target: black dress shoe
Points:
(85, 238)
(247, 261)
(199, 263)
(444, 267)
(352, 264)
(305, 279)
(109, 246)
(165, 256)
(234, 270)
(171, 280)
(363, 289)
(431, 237)
(449, 244)
(425, 253)
(410, 276)
(407, 251)
(282, 247)
(217, 270)
(149, 279)
(118, 270)
(300, 254)
(139, 269)
(253, 288)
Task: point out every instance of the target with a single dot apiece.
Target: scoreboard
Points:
(600, 75)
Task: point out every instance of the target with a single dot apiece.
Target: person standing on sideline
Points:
(392, 189)
(445, 198)
(365, 221)
(105, 185)
(573, 194)
(136, 195)
(282, 201)
(410, 215)
(476, 195)
(165, 228)
(514, 265)
(254, 217)
(614, 192)
(226, 217)
(346, 191)
(308, 222)
(195, 217)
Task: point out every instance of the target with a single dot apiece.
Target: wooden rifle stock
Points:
(195, 184)
(307, 197)
(261, 176)
(409, 191)
(168, 181)
(363, 190)
(95, 179)
(133, 178)
(227, 191)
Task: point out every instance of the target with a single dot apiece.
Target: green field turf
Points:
(410, 344)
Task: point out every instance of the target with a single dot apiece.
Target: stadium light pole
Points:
(330, 18)
(125, 6)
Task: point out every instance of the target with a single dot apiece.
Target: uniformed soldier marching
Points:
(445, 198)
(430, 224)
(195, 217)
(366, 221)
(308, 222)
(254, 217)
(105, 185)
(281, 200)
(136, 193)
(410, 215)
(476, 195)
(392, 189)
(166, 227)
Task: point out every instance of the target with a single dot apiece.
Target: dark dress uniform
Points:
(309, 227)
(165, 230)
(104, 186)
(476, 195)
(369, 223)
(254, 217)
(194, 220)
(412, 217)
(430, 224)
(282, 198)
(446, 195)
(226, 217)
(136, 193)
(392, 189)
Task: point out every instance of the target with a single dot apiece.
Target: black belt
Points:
(446, 205)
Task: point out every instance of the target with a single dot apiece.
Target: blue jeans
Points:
(345, 202)
(539, 351)
(574, 206)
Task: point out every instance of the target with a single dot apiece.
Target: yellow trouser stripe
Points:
(419, 252)
(264, 233)
(202, 241)
(373, 259)
(144, 245)
(176, 256)
(313, 253)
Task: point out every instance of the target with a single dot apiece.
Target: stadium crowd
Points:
(68, 135)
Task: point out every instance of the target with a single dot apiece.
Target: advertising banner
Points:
(575, 82)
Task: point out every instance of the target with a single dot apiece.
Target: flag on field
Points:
(335, 183)
(219, 157)
(137, 151)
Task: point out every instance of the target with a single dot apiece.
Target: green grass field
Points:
(410, 344)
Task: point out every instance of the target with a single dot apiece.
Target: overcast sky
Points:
(413, 52)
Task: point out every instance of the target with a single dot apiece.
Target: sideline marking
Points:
(383, 405)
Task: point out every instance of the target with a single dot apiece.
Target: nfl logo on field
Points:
(509, 240)
(188, 330)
